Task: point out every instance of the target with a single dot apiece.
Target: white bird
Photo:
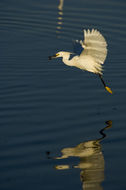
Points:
(92, 56)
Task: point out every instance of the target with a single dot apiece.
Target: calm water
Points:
(53, 118)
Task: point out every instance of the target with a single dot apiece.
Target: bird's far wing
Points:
(95, 45)
(77, 47)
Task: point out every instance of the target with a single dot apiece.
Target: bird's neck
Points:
(67, 61)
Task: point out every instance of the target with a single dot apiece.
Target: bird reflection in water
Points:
(91, 161)
(60, 18)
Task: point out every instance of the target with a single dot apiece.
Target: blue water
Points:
(46, 107)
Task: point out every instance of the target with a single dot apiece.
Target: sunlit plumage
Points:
(92, 56)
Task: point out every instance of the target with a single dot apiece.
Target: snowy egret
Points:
(92, 56)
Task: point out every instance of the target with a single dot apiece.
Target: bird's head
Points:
(60, 54)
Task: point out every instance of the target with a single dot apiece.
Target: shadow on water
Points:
(91, 161)
(43, 107)
(60, 18)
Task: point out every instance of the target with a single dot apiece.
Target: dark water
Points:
(47, 107)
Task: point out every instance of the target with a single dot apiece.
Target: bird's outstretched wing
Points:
(95, 45)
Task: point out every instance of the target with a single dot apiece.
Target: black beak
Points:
(51, 57)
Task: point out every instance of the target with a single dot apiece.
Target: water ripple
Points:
(46, 105)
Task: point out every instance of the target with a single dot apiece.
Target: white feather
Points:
(95, 45)
(93, 55)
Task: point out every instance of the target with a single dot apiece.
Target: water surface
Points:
(46, 106)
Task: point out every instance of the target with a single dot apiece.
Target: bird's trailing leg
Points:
(106, 87)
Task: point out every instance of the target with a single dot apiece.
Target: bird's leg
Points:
(106, 87)
(102, 80)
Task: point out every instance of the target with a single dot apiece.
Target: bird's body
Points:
(92, 56)
(85, 62)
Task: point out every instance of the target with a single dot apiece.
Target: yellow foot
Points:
(108, 89)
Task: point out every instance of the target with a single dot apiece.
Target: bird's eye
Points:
(57, 54)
